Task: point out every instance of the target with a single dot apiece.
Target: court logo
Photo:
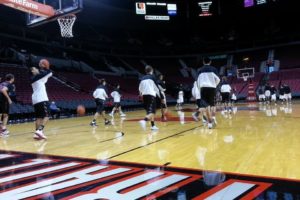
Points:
(30, 176)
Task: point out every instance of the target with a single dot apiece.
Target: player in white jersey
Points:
(150, 91)
(40, 99)
(200, 106)
(287, 93)
(225, 93)
(100, 96)
(116, 95)
(208, 81)
(268, 93)
(180, 98)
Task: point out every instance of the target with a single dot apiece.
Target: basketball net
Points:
(66, 25)
(245, 78)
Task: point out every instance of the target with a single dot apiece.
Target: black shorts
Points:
(208, 96)
(149, 104)
(159, 104)
(225, 97)
(117, 104)
(4, 106)
(200, 103)
(99, 105)
(41, 109)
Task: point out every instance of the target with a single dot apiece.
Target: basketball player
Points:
(208, 81)
(40, 99)
(261, 95)
(163, 104)
(200, 107)
(180, 99)
(273, 94)
(268, 93)
(117, 101)
(287, 93)
(100, 96)
(233, 97)
(281, 94)
(149, 90)
(5, 102)
(225, 93)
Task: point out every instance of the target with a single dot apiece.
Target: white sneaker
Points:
(215, 120)
(143, 124)
(5, 132)
(195, 117)
(210, 125)
(154, 128)
(39, 135)
(123, 115)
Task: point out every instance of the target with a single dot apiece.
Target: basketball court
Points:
(252, 154)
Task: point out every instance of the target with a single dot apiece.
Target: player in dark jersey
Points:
(5, 101)
(273, 94)
(281, 94)
(261, 95)
(163, 105)
(287, 93)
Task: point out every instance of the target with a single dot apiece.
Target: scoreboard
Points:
(160, 11)
(251, 3)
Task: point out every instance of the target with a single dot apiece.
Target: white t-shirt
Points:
(100, 93)
(117, 96)
(39, 88)
(225, 88)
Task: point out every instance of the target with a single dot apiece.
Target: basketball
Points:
(80, 110)
(44, 64)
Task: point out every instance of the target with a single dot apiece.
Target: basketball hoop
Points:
(66, 25)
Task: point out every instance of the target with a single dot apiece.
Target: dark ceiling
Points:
(115, 20)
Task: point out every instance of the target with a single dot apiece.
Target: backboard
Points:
(245, 73)
(61, 7)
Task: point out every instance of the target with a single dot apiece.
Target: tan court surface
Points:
(251, 142)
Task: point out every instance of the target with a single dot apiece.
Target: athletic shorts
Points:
(288, 96)
(233, 97)
(180, 100)
(150, 104)
(225, 97)
(200, 103)
(4, 106)
(117, 104)
(41, 109)
(208, 96)
(99, 105)
(281, 97)
(261, 96)
(159, 104)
